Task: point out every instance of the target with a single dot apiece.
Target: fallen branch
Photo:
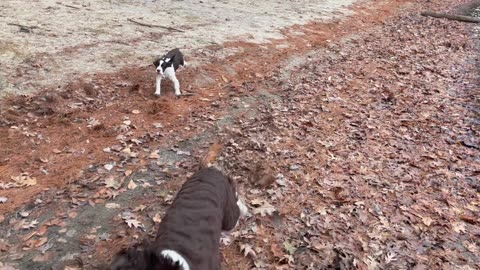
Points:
(70, 6)
(186, 95)
(24, 28)
(460, 18)
(153, 25)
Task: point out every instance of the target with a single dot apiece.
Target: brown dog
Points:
(189, 234)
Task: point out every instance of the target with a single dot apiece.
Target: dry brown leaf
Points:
(128, 172)
(131, 185)
(24, 180)
(247, 250)
(42, 230)
(139, 208)
(154, 155)
(277, 251)
(30, 225)
(3, 246)
(110, 182)
(427, 221)
(133, 222)
(112, 205)
(40, 242)
(157, 218)
(28, 236)
(458, 227)
(265, 209)
(135, 111)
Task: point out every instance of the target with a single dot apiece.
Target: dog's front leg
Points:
(158, 85)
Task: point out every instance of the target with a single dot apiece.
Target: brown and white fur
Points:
(166, 67)
(188, 237)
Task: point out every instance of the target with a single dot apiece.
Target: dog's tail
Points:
(210, 159)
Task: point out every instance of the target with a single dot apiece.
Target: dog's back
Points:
(205, 205)
(190, 230)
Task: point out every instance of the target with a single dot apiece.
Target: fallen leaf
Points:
(289, 247)
(42, 230)
(112, 205)
(40, 242)
(30, 225)
(24, 180)
(135, 111)
(427, 221)
(7, 267)
(256, 202)
(458, 227)
(110, 182)
(277, 251)
(247, 250)
(128, 172)
(43, 258)
(139, 208)
(131, 185)
(133, 222)
(157, 218)
(225, 240)
(154, 155)
(109, 166)
(2, 218)
(265, 209)
(3, 246)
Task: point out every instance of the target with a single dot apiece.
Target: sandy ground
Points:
(354, 142)
(63, 41)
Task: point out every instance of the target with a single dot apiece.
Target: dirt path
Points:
(368, 125)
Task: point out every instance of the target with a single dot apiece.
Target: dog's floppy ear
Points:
(171, 59)
(156, 62)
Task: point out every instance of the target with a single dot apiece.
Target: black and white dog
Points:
(166, 67)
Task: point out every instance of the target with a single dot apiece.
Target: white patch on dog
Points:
(243, 208)
(175, 257)
(170, 74)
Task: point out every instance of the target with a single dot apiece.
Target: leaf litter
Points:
(371, 143)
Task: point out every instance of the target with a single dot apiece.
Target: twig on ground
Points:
(24, 28)
(186, 95)
(154, 25)
(461, 18)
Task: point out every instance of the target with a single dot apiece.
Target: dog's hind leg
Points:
(158, 85)
(170, 73)
(176, 85)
